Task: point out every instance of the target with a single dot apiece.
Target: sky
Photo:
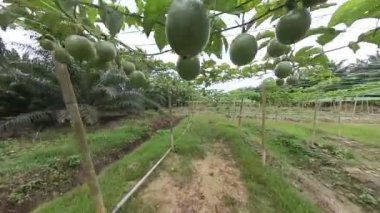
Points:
(136, 38)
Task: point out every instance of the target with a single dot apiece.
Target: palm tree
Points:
(30, 94)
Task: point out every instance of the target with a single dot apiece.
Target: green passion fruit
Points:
(283, 69)
(80, 48)
(128, 67)
(293, 26)
(291, 80)
(137, 79)
(47, 44)
(243, 49)
(280, 82)
(187, 27)
(62, 56)
(188, 68)
(276, 49)
(105, 50)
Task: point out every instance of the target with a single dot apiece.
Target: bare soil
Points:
(367, 172)
(214, 186)
(320, 194)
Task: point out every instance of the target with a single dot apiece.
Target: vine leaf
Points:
(160, 37)
(112, 18)
(353, 10)
(215, 45)
(154, 12)
(372, 36)
(354, 46)
(265, 34)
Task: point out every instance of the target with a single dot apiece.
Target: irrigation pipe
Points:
(143, 179)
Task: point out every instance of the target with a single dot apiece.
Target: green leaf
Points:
(140, 6)
(66, 5)
(225, 5)
(353, 10)
(327, 37)
(354, 46)
(218, 23)
(154, 12)
(372, 36)
(320, 30)
(323, 6)
(112, 18)
(160, 37)
(233, 6)
(265, 34)
(215, 45)
(225, 43)
(264, 44)
(92, 13)
(310, 55)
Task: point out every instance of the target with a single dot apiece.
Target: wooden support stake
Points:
(171, 120)
(339, 117)
(72, 108)
(263, 117)
(361, 106)
(316, 106)
(368, 111)
(240, 112)
(235, 109)
(277, 108)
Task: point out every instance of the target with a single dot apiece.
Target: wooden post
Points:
(339, 117)
(345, 106)
(71, 104)
(368, 111)
(189, 107)
(171, 120)
(355, 102)
(276, 112)
(235, 109)
(192, 107)
(240, 112)
(362, 106)
(316, 106)
(263, 117)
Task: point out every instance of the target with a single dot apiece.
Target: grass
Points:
(117, 178)
(365, 133)
(21, 155)
(268, 191)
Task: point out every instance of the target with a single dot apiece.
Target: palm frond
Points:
(28, 119)
(89, 114)
(113, 77)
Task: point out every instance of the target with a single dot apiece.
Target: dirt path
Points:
(213, 185)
